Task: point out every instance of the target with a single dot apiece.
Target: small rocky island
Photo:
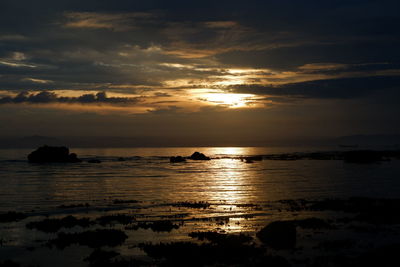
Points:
(47, 154)
(195, 156)
(198, 156)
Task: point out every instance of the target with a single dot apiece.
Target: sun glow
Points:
(229, 99)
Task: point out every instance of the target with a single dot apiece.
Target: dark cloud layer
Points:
(328, 88)
(50, 97)
(86, 44)
(298, 52)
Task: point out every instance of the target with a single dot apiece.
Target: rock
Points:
(11, 216)
(93, 239)
(279, 235)
(177, 159)
(94, 161)
(199, 156)
(362, 156)
(47, 154)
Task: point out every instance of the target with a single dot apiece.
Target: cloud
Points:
(39, 81)
(16, 64)
(341, 88)
(110, 21)
(46, 97)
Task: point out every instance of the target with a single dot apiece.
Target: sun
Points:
(228, 99)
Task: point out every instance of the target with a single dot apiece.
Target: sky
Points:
(246, 71)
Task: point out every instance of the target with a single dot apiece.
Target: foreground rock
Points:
(199, 156)
(279, 235)
(46, 154)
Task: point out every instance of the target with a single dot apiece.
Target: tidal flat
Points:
(356, 231)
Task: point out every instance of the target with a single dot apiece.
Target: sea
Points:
(143, 182)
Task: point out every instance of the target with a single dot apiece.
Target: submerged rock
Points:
(279, 235)
(94, 239)
(177, 159)
(47, 154)
(222, 239)
(194, 205)
(54, 225)
(199, 156)
(157, 226)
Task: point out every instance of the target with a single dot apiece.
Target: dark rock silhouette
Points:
(222, 239)
(47, 154)
(101, 257)
(362, 156)
(177, 159)
(54, 225)
(194, 205)
(94, 161)
(157, 226)
(115, 218)
(312, 223)
(211, 254)
(199, 156)
(93, 239)
(248, 160)
(279, 235)
(12, 216)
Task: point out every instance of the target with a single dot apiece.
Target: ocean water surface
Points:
(143, 183)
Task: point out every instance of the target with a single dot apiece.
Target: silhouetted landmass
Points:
(353, 141)
(368, 140)
(198, 156)
(46, 154)
(353, 156)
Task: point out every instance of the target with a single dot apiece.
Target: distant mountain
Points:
(381, 141)
(369, 140)
(28, 141)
